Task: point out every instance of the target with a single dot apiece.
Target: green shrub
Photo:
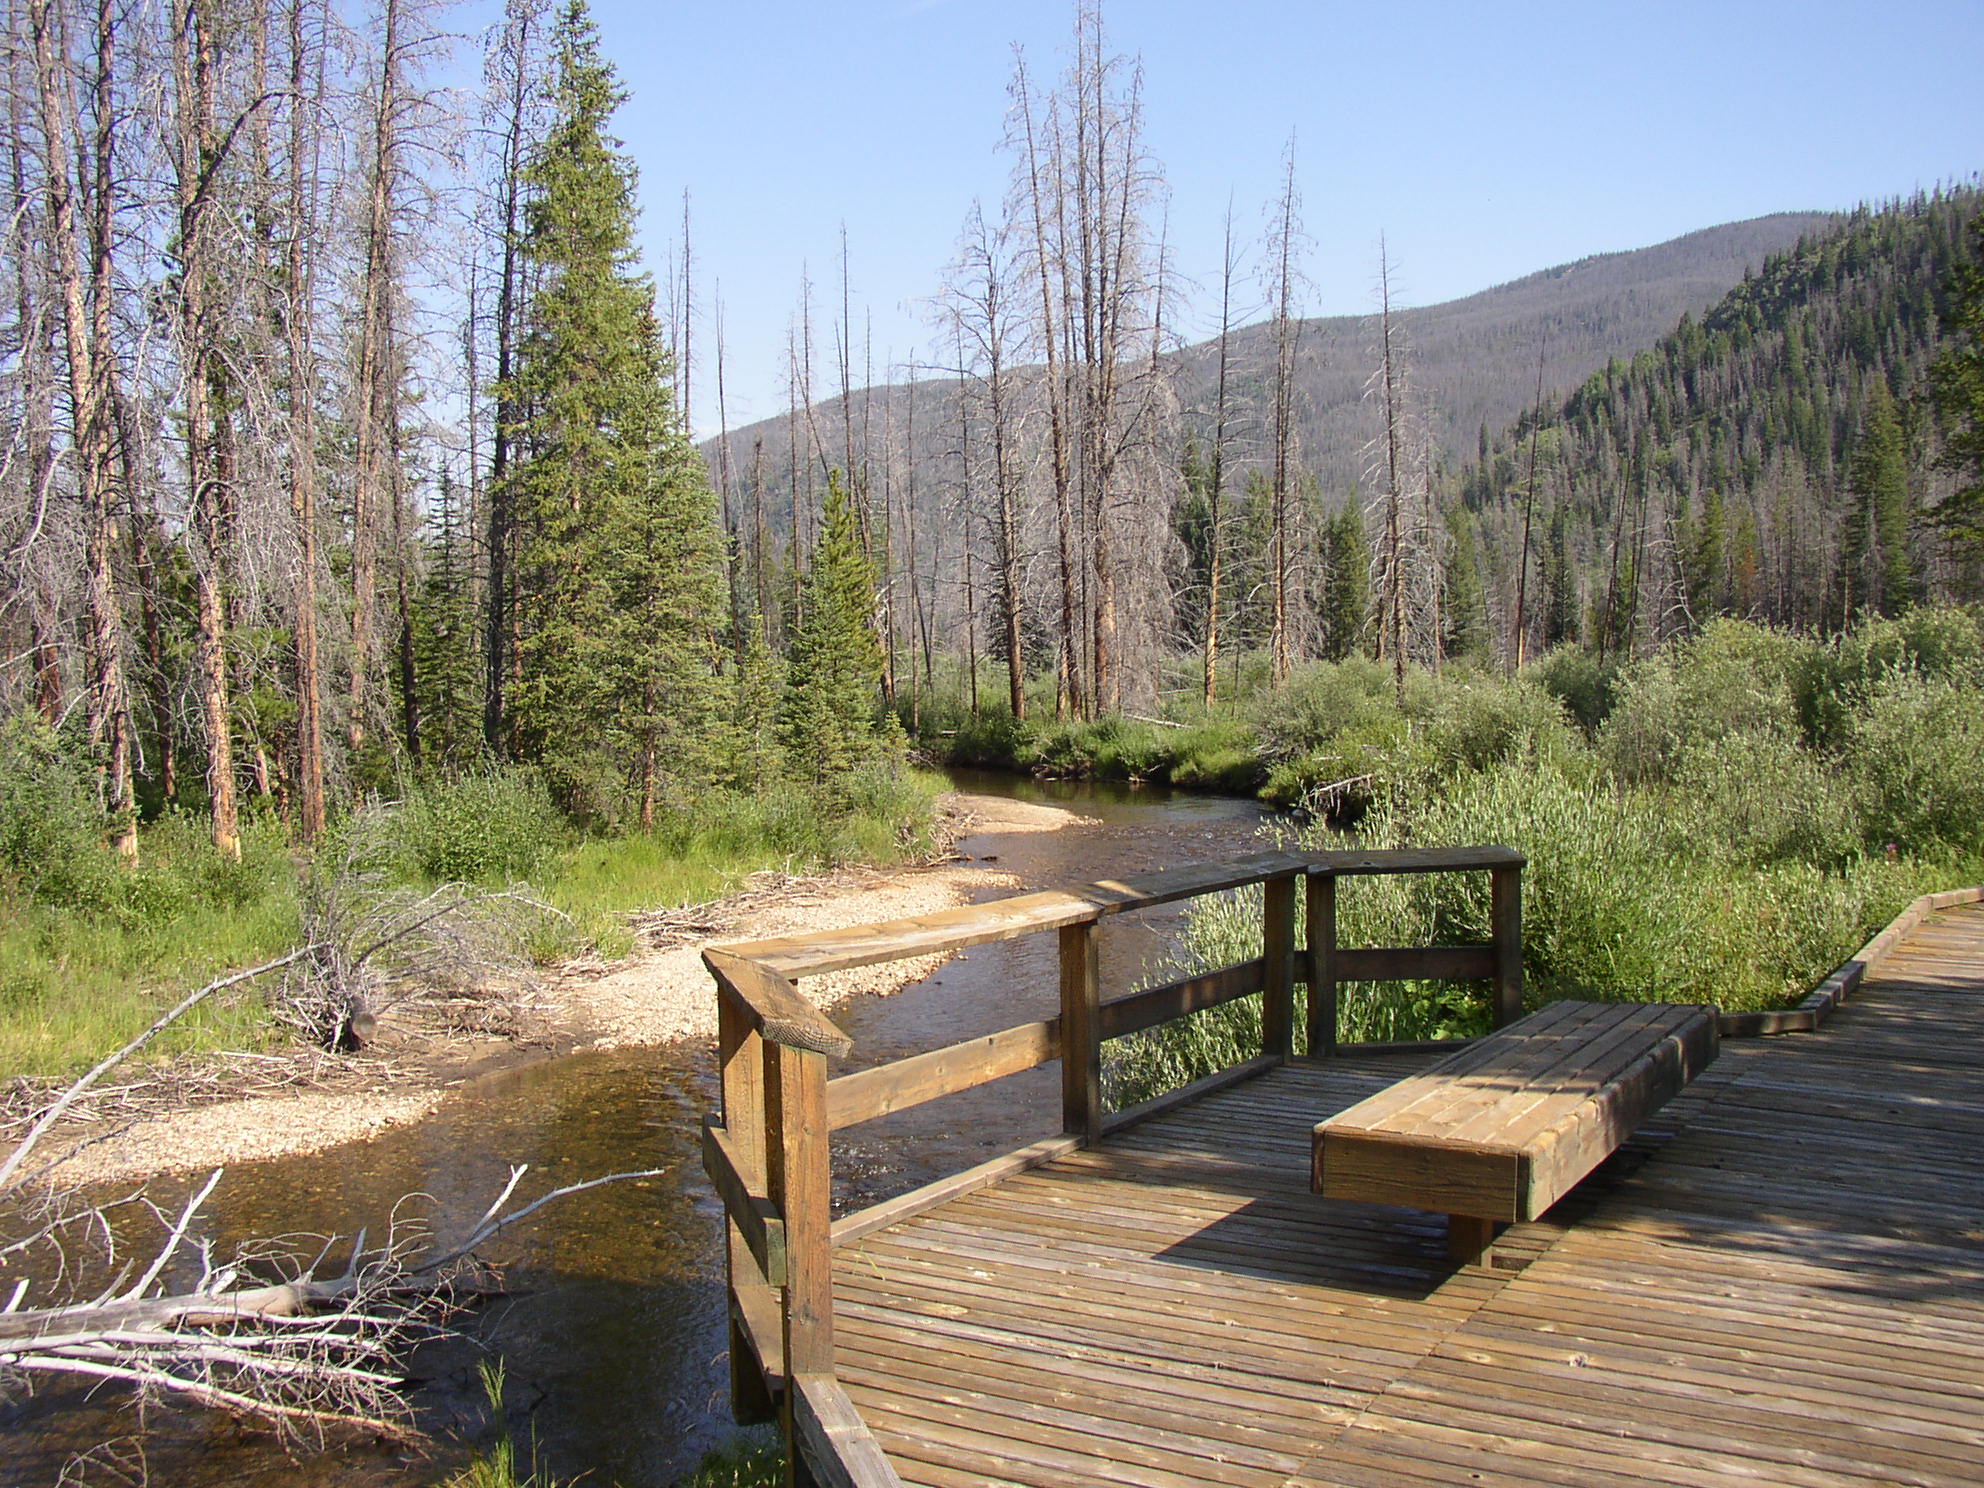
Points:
(1916, 750)
(1837, 681)
(493, 826)
(1585, 685)
(51, 831)
(1732, 678)
(1755, 798)
(1220, 755)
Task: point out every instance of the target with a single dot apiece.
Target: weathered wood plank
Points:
(1278, 967)
(975, 924)
(1081, 1033)
(1502, 1130)
(839, 1448)
(1319, 967)
(757, 1221)
(869, 1093)
(1121, 1016)
(1357, 862)
(773, 1006)
(1185, 1095)
(852, 1227)
(1786, 1290)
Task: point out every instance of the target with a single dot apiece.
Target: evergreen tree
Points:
(828, 722)
(1465, 616)
(1703, 558)
(1957, 382)
(1346, 600)
(1560, 581)
(1880, 574)
(446, 644)
(756, 761)
(619, 584)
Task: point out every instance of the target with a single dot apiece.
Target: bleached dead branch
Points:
(266, 1333)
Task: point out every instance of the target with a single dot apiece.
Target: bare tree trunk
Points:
(303, 146)
(1391, 628)
(374, 437)
(1067, 697)
(92, 430)
(197, 148)
(1283, 415)
(1216, 491)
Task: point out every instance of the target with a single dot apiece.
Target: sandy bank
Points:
(656, 996)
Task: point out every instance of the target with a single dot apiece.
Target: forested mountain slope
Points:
(1773, 458)
(1474, 361)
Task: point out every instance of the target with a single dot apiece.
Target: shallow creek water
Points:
(611, 1335)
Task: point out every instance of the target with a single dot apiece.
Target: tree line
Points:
(1070, 492)
(345, 435)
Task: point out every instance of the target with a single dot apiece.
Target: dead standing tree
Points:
(979, 305)
(1285, 239)
(82, 278)
(1084, 182)
(1405, 564)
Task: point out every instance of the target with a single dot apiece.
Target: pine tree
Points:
(447, 666)
(1957, 382)
(1880, 573)
(834, 677)
(1346, 601)
(1560, 581)
(756, 761)
(1465, 614)
(619, 585)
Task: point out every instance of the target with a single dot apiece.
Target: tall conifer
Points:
(833, 685)
(620, 594)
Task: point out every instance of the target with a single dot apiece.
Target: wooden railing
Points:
(768, 1156)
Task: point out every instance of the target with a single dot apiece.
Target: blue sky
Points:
(1484, 140)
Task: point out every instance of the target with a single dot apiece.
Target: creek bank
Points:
(658, 995)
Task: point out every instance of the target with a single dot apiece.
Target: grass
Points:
(91, 950)
(79, 978)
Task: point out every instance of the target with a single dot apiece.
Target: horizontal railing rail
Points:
(767, 1154)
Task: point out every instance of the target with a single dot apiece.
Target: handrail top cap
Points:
(1379, 860)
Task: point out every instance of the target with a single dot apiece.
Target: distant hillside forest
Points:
(1775, 457)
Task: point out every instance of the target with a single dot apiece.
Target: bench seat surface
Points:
(1503, 1128)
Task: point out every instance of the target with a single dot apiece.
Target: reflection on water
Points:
(612, 1335)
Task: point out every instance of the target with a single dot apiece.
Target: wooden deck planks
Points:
(1781, 1281)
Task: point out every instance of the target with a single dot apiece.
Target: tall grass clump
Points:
(749, 1462)
(696, 855)
(89, 944)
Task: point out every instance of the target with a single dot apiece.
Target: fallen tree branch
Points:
(164, 1021)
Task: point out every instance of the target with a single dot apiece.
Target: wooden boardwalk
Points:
(1780, 1282)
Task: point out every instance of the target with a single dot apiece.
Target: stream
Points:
(611, 1335)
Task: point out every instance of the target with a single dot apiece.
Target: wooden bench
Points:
(1502, 1129)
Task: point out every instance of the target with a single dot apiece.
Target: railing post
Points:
(1322, 965)
(1505, 915)
(1278, 972)
(1081, 1036)
(801, 1183)
(740, 1056)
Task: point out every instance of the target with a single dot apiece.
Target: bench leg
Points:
(1468, 1238)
